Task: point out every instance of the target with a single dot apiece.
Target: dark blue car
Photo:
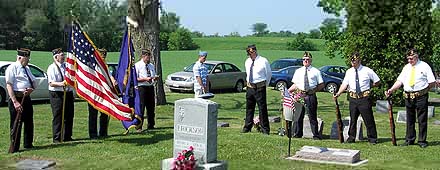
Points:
(337, 71)
(285, 62)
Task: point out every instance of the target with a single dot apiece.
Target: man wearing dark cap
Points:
(417, 79)
(20, 83)
(258, 77)
(358, 78)
(57, 87)
(93, 113)
(307, 80)
(200, 75)
(146, 77)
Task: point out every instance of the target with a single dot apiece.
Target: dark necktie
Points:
(358, 86)
(29, 77)
(148, 71)
(306, 80)
(251, 75)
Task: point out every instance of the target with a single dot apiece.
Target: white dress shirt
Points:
(261, 71)
(423, 76)
(15, 75)
(54, 75)
(141, 71)
(313, 74)
(365, 76)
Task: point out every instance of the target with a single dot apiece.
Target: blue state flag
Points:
(127, 81)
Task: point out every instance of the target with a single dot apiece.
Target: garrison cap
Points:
(24, 52)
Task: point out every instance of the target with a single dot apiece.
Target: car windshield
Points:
(190, 67)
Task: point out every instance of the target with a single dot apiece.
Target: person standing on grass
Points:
(20, 83)
(358, 78)
(258, 77)
(146, 77)
(200, 75)
(417, 79)
(93, 113)
(307, 80)
(57, 86)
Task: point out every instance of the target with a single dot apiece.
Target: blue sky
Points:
(226, 16)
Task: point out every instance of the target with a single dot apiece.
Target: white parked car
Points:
(40, 93)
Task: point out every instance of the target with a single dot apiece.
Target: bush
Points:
(181, 40)
(301, 44)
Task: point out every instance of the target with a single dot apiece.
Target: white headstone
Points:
(382, 106)
(195, 124)
(431, 111)
(401, 116)
(307, 131)
(346, 123)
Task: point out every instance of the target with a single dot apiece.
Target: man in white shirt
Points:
(146, 77)
(358, 78)
(307, 80)
(200, 75)
(417, 79)
(20, 83)
(258, 77)
(57, 86)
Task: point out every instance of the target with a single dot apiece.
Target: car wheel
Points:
(239, 86)
(280, 85)
(2, 96)
(331, 87)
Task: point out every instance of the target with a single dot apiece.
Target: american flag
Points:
(88, 73)
(287, 98)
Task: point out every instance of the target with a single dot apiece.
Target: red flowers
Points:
(185, 160)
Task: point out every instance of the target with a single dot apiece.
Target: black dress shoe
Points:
(423, 145)
(245, 131)
(296, 136)
(407, 143)
(316, 138)
(29, 146)
(349, 141)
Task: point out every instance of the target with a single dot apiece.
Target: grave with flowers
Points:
(195, 136)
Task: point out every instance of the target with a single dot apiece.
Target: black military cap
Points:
(412, 52)
(24, 52)
(251, 48)
(57, 51)
(355, 56)
(146, 52)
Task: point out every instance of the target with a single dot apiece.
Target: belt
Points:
(413, 95)
(308, 92)
(18, 94)
(256, 85)
(363, 94)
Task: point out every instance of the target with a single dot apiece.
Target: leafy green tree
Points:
(301, 44)
(330, 27)
(169, 21)
(197, 34)
(315, 33)
(181, 40)
(259, 29)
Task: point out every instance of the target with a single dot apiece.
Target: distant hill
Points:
(240, 43)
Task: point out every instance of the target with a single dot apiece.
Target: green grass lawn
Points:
(242, 151)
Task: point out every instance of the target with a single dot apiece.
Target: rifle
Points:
(15, 131)
(392, 125)
(339, 120)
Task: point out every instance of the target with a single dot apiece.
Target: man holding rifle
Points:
(417, 78)
(20, 83)
(358, 79)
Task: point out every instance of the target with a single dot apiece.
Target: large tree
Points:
(146, 35)
(259, 29)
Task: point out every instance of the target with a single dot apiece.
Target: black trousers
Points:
(56, 102)
(27, 117)
(362, 106)
(418, 105)
(147, 101)
(311, 103)
(93, 123)
(256, 96)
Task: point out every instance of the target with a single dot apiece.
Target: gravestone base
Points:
(218, 165)
(30, 164)
(328, 156)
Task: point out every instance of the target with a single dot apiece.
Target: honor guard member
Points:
(258, 77)
(20, 83)
(57, 87)
(201, 75)
(93, 113)
(358, 79)
(308, 81)
(146, 76)
(417, 79)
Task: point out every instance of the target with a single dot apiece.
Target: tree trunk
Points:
(146, 36)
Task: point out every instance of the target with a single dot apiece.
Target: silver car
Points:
(40, 93)
(222, 75)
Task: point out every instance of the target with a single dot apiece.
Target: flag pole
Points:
(62, 114)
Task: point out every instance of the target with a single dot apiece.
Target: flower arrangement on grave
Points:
(257, 124)
(185, 160)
